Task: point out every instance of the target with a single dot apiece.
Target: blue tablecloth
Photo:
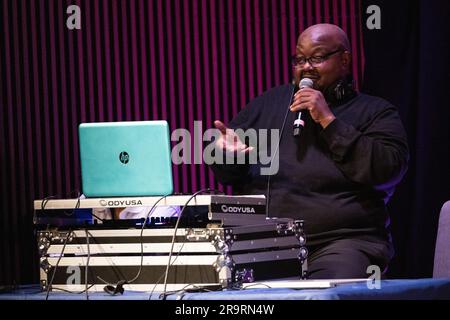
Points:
(429, 289)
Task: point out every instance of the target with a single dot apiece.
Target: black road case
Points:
(222, 256)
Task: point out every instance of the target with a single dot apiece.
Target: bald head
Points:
(325, 41)
(325, 33)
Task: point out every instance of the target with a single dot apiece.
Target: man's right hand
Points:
(229, 141)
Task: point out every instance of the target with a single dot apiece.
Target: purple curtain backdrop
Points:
(182, 61)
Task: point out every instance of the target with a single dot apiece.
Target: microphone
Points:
(298, 122)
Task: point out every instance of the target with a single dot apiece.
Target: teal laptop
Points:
(121, 159)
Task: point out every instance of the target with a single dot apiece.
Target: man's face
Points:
(324, 73)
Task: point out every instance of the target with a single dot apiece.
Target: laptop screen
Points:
(130, 158)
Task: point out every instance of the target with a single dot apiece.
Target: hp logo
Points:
(124, 157)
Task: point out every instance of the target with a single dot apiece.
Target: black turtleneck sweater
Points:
(337, 179)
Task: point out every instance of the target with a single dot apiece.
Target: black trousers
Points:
(348, 258)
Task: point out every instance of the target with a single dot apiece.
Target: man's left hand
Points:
(313, 101)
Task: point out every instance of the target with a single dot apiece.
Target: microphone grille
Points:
(306, 83)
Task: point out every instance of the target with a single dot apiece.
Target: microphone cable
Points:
(166, 274)
(57, 264)
(43, 205)
(276, 150)
(114, 289)
(87, 264)
(178, 253)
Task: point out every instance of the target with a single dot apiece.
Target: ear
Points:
(346, 59)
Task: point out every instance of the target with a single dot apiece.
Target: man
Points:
(340, 172)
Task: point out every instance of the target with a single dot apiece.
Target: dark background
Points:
(204, 60)
(407, 63)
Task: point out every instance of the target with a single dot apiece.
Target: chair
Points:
(441, 267)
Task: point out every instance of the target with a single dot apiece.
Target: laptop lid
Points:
(130, 158)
